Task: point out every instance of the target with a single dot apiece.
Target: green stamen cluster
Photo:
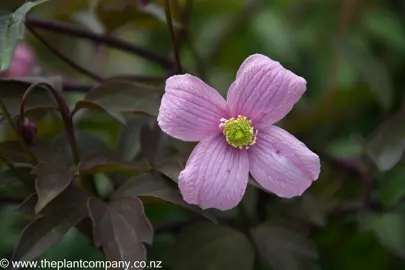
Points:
(239, 132)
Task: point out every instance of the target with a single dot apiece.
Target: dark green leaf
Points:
(12, 31)
(51, 181)
(115, 97)
(393, 187)
(10, 177)
(208, 246)
(372, 71)
(59, 217)
(387, 145)
(153, 185)
(150, 141)
(386, 26)
(121, 228)
(107, 162)
(128, 139)
(283, 248)
(389, 228)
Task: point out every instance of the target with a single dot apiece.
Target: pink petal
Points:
(190, 109)
(22, 64)
(283, 164)
(216, 174)
(264, 90)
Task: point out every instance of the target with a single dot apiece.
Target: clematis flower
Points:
(22, 64)
(237, 136)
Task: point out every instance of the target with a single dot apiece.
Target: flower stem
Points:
(20, 138)
(64, 111)
(79, 32)
(66, 59)
(169, 22)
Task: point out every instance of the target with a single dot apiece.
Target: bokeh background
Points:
(352, 54)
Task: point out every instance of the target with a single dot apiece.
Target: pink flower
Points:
(22, 64)
(237, 136)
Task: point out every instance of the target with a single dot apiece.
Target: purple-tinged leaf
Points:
(58, 218)
(151, 142)
(51, 181)
(116, 97)
(283, 248)
(49, 152)
(87, 144)
(28, 205)
(121, 228)
(154, 185)
(209, 246)
(107, 162)
(52, 172)
(131, 209)
(171, 169)
(97, 211)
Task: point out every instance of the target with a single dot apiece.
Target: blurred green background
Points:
(352, 54)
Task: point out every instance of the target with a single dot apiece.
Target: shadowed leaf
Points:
(28, 205)
(58, 218)
(389, 228)
(171, 169)
(150, 141)
(153, 185)
(128, 139)
(371, 70)
(107, 162)
(52, 172)
(51, 181)
(387, 145)
(209, 246)
(23, 174)
(87, 144)
(393, 187)
(115, 97)
(121, 227)
(11, 151)
(283, 248)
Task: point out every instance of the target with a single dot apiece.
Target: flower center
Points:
(239, 132)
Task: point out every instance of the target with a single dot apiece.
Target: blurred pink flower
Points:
(144, 2)
(22, 64)
(237, 136)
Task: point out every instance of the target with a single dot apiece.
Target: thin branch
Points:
(72, 30)
(74, 87)
(185, 37)
(10, 200)
(20, 138)
(346, 17)
(64, 58)
(169, 22)
(64, 111)
(84, 88)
